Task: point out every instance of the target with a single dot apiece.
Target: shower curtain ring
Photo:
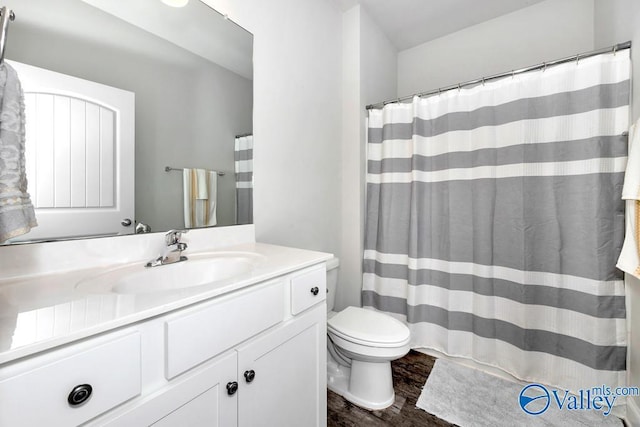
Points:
(578, 59)
(615, 48)
(544, 68)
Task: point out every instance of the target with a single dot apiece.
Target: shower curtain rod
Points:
(5, 16)
(243, 135)
(542, 66)
(169, 169)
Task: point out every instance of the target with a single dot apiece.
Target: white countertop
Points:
(38, 313)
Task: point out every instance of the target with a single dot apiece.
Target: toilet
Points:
(361, 344)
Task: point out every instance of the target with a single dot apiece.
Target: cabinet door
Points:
(201, 411)
(288, 366)
(197, 399)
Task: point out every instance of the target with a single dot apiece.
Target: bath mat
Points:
(471, 398)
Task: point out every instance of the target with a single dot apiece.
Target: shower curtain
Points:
(244, 179)
(494, 221)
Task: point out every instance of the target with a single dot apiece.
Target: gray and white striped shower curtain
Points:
(494, 221)
(244, 179)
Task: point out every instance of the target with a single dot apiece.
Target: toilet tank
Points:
(332, 282)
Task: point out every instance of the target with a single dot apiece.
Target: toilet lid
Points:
(369, 326)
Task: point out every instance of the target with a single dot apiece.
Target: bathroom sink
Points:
(198, 270)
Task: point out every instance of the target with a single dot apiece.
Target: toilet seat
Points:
(368, 328)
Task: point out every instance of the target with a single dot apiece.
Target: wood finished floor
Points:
(409, 376)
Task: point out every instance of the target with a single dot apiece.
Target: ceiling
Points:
(408, 23)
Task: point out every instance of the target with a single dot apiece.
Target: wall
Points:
(368, 75)
(297, 119)
(617, 21)
(545, 31)
(209, 105)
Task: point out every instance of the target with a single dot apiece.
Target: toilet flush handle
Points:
(315, 290)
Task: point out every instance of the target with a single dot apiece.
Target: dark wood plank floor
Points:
(409, 376)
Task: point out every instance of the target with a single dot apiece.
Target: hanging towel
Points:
(202, 184)
(17, 215)
(200, 197)
(629, 260)
(244, 179)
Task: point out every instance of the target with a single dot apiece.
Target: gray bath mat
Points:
(471, 398)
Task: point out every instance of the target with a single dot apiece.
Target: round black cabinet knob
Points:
(315, 290)
(79, 394)
(232, 387)
(249, 375)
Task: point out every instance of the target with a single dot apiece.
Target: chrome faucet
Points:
(173, 251)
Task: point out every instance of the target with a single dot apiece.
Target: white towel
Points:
(17, 215)
(202, 184)
(629, 260)
(200, 197)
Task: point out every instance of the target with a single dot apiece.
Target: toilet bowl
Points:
(361, 344)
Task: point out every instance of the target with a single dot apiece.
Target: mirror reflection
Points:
(139, 116)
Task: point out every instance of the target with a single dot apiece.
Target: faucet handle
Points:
(172, 237)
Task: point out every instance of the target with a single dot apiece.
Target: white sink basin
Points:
(198, 270)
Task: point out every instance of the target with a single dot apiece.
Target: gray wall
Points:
(188, 111)
(542, 32)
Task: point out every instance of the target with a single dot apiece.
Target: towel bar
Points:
(169, 169)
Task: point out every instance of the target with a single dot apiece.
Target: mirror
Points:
(107, 82)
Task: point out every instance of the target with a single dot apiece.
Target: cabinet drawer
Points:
(39, 397)
(307, 289)
(208, 331)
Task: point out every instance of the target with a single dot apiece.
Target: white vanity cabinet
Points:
(277, 378)
(252, 357)
(78, 348)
